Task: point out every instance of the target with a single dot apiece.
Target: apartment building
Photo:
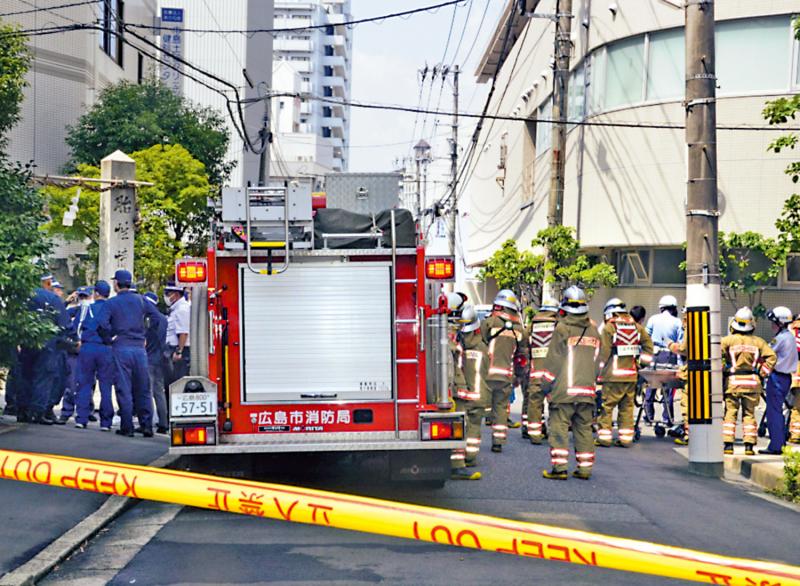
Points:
(322, 57)
(69, 69)
(626, 187)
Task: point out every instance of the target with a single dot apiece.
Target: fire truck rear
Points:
(316, 331)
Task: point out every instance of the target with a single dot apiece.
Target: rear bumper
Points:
(284, 447)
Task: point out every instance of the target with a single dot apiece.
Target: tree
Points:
(749, 263)
(173, 215)
(133, 117)
(23, 246)
(524, 271)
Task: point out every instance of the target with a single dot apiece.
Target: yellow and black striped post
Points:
(698, 350)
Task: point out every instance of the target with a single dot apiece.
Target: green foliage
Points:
(749, 262)
(791, 476)
(14, 61)
(524, 272)
(22, 247)
(132, 117)
(173, 217)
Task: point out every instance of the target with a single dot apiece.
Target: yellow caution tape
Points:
(329, 509)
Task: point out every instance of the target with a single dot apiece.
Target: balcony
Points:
(283, 22)
(306, 108)
(296, 45)
(335, 83)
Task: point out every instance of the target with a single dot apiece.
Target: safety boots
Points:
(748, 450)
(582, 475)
(727, 449)
(554, 475)
(464, 474)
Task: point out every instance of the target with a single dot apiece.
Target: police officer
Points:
(178, 325)
(83, 296)
(626, 344)
(569, 376)
(505, 337)
(679, 349)
(121, 324)
(746, 358)
(155, 345)
(794, 422)
(664, 329)
(780, 380)
(95, 361)
(541, 332)
(40, 366)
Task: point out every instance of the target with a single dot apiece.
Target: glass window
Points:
(633, 267)
(625, 73)
(667, 64)
(793, 268)
(597, 78)
(753, 54)
(756, 263)
(576, 100)
(544, 128)
(666, 266)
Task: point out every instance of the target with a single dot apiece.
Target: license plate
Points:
(193, 405)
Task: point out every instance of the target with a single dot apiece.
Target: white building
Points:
(244, 60)
(626, 187)
(323, 59)
(69, 70)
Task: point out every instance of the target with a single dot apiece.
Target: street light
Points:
(422, 155)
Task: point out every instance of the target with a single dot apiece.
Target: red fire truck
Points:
(316, 330)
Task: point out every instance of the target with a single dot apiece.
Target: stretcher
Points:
(659, 377)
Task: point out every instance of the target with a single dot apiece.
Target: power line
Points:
(48, 8)
(431, 8)
(463, 32)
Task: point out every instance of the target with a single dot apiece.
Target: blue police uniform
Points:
(121, 323)
(40, 367)
(95, 363)
(71, 384)
(664, 329)
(155, 346)
(778, 385)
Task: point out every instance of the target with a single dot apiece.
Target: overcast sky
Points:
(386, 60)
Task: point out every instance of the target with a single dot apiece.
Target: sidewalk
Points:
(32, 516)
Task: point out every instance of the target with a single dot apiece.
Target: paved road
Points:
(642, 493)
(31, 515)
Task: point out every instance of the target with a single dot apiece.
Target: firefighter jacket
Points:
(746, 357)
(476, 367)
(542, 328)
(626, 343)
(505, 337)
(680, 349)
(572, 363)
(458, 384)
(794, 327)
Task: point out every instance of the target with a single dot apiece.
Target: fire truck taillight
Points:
(190, 271)
(442, 429)
(440, 269)
(195, 435)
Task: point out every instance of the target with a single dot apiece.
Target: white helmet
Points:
(574, 301)
(549, 304)
(782, 316)
(743, 321)
(455, 301)
(667, 301)
(508, 299)
(469, 317)
(614, 305)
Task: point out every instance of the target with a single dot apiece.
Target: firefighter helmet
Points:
(614, 305)
(574, 301)
(549, 304)
(455, 301)
(469, 317)
(667, 301)
(743, 321)
(780, 316)
(508, 299)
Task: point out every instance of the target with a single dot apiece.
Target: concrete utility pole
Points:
(452, 218)
(563, 51)
(702, 255)
(117, 215)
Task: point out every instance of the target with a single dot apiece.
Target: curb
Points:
(60, 549)
(765, 472)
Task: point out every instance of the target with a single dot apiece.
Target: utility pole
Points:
(563, 51)
(265, 140)
(452, 218)
(702, 256)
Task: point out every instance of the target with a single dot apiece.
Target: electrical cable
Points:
(47, 9)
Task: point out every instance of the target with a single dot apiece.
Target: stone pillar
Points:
(117, 216)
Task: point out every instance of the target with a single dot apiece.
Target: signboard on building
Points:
(172, 45)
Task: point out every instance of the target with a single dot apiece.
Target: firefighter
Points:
(679, 348)
(505, 337)
(473, 395)
(627, 344)
(541, 332)
(780, 379)
(569, 376)
(794, 422)
(746, 358)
